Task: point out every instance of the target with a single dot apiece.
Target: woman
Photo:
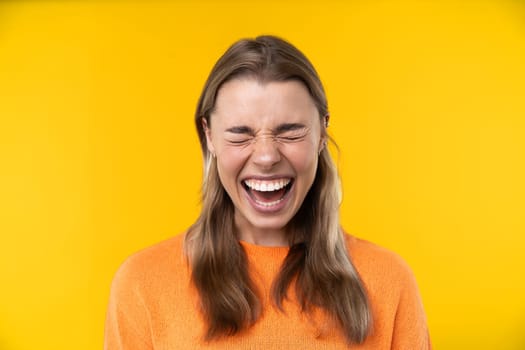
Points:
(266, 265)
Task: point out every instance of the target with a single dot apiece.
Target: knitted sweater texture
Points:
(153, 305)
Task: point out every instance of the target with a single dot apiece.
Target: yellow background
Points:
(99, 158)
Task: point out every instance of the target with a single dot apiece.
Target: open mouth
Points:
(268, 193)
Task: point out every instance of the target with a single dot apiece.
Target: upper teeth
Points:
(266, 186)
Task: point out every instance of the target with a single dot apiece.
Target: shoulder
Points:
(393, 293)
(377, 266)
(152, 264)
(142, 287)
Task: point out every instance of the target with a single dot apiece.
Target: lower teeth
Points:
(268, 204)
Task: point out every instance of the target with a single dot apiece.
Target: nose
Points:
(266, 152)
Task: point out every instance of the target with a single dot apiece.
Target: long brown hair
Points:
(318, 260)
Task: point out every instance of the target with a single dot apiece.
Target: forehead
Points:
(247, 100)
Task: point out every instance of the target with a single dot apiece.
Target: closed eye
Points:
(239, 135)
(290, 132)
(239, 142)
(293, 135)
(290, 138)
(239, 139)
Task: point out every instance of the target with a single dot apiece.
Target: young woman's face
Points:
(267, 139)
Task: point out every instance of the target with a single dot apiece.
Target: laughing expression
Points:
(266, 138)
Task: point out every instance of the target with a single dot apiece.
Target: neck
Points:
(262, 236)
(265, 238)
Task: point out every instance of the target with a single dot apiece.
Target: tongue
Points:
(269, 196)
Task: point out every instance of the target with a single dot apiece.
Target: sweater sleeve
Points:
(410, 327)
(127, 320)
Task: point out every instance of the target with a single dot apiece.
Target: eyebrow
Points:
(242, 129)
(288, 127)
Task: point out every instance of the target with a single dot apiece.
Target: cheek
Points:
(303, 158)
(230, 163)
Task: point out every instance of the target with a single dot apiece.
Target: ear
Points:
(324, 135)
(322, 143)
(207, 132)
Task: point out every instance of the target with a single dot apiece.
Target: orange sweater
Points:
(152, 305)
